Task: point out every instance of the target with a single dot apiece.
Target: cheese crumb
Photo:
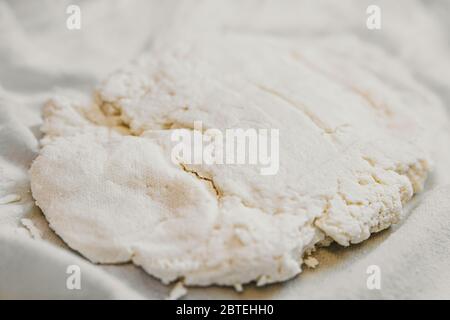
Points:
(238, 287)
(178, 291)
(311, 262)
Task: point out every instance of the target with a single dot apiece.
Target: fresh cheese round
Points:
(352, 127)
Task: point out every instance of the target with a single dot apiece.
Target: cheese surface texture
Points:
(353, 130)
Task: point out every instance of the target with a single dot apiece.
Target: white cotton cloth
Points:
(39, 57)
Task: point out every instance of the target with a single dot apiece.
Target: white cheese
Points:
(350, 157)
(177, 292)
(311, 262)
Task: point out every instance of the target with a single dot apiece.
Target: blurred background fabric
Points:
(40, 57)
